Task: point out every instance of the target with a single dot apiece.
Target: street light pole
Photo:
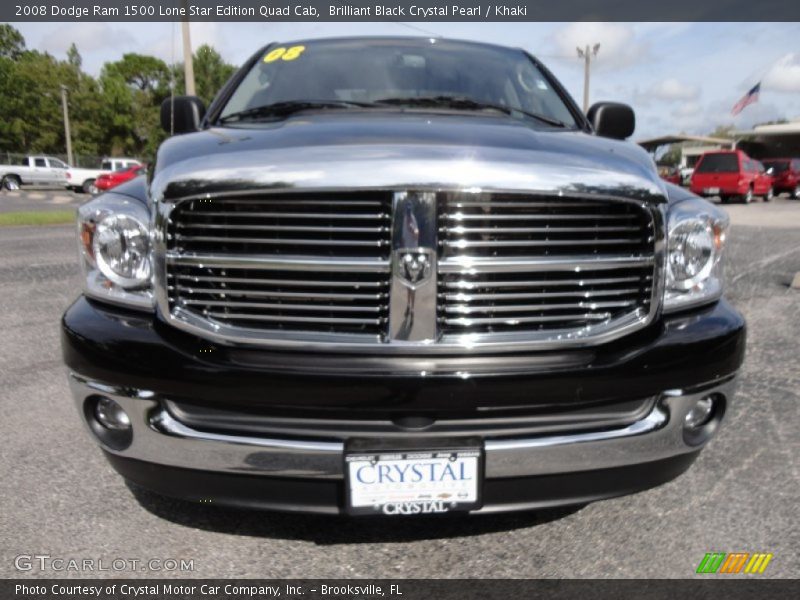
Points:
(188, 61)
(66, 124)
(587, 56)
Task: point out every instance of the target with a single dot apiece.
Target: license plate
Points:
(712, 190)
(414, 482)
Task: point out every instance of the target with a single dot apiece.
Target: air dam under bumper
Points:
(526, 472)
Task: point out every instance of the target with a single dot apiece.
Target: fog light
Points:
(701, 413)
(111, 415)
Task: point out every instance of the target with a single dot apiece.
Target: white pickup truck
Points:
(34, 170)
(82, 180)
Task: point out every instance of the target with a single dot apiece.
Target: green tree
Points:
(12, 44)
(74, 57)
(672, 157)
(723, 131)
(132, 90)
(145, 73)
(210, 73)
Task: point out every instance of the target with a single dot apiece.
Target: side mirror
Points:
(612, 119)
(770, 171)
(182, 114)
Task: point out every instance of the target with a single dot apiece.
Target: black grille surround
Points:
(314, 267)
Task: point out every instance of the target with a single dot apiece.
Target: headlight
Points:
(121, 248)
(695, 242)
(114, 242)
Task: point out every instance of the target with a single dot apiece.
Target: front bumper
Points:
(685, 358)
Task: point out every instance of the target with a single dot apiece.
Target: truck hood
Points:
(402, 150)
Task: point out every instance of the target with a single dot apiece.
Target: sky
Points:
(678, 77)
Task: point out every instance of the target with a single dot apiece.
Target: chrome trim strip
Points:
(412, 302)
(165, 423)
(655, 420)
(159, 438)
(283, 263)
(473, 266)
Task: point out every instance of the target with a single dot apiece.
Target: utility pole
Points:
(66, 124)
(188, 61)
(587, 56)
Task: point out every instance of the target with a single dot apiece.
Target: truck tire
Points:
(769, 195)
(88, 187)
(11, 182)
(796, 193)
(748, 197)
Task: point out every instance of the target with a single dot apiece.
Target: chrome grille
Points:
(321, 269)
(532, 265)
(282, 263)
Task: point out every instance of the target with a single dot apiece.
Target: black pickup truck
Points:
(400, 276)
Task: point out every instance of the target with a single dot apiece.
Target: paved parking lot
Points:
(59, 497)
(40, 199)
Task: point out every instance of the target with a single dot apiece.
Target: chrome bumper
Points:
(159, 438)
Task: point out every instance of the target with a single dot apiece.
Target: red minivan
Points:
(785, 175)
(731, 174)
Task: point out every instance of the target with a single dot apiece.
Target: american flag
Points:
(749, 98)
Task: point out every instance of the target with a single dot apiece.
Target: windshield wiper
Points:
(283, 109)
(465, 103)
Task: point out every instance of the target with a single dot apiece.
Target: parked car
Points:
(83, 180)
(785, 175)
(731, 174)
(33, 170)
(670, 174)
(108, 181)
(400, 276)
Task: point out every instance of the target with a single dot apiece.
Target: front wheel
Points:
(88, 186)
(748, 197)
(11, 182)
(796, 193)
(769, 195)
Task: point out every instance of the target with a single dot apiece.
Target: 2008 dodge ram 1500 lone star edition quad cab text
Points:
(400, 276)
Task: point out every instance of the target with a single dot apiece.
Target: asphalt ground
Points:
(60, 498)
(40, 199)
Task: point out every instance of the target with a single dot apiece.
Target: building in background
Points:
(771, 141)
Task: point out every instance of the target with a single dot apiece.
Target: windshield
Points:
(778, 166)
(718, 163)
(366, 71)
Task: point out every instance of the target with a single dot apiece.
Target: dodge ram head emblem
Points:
(413, 267)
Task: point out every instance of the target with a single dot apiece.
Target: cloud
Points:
(672, 90)
(784, 75)
(696, 118)
(688, 110)
(618, 44)
(88, 37)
